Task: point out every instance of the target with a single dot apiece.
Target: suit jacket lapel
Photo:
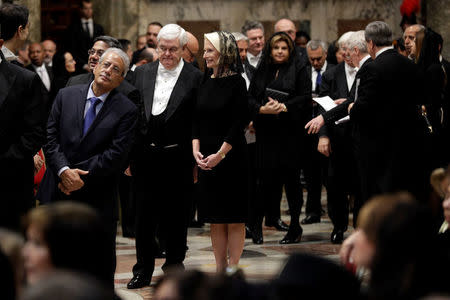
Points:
(342, 80)
(7, 78)
(149, 88)
(177, 93)
(81, 104)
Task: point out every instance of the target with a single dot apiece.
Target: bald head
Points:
(409, 36)
(147, 55)
(49, 50)
(191, 48)
(36, 54)
(286, 26)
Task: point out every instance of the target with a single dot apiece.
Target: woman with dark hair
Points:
(435, 80)
(279, 95)
(219, 148)
(66, 235)
(63, 67)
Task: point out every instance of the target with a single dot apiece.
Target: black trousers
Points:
(163, 180)
(342, 179)
(314, 165)
(127, 204)
(271, 187)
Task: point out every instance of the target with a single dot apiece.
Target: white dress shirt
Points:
(383, 50)
(90, 25)
(9, 56)
(314, 75)
(165, 82)
(90, 94)
(254, 60)
(43, 74)
(350, 74)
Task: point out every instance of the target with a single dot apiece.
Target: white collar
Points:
(9, 56)
(440, 58)
(39, 67)
(91, 94)
(254, 56)
(363, 60)
(83, 20)
(383, 50)
(174, 72)
(349, 69)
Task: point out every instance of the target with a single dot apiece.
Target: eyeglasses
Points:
(107, 65)
(93, 51)
(171, 50)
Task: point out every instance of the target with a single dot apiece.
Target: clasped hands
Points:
(272, 107)
(71, 180)
(209, 162)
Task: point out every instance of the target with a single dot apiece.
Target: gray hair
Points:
(358, 40)
(344, 39)
(250, 25)
(315, 44)
(238, 36)
(122, 55)
(379, 33)
(109, 40)
(172, 32)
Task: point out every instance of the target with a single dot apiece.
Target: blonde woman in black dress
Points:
(221, 114)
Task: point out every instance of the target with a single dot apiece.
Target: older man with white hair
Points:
(161, 160)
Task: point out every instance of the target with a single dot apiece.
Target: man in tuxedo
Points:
(254, 30)
(38, 66)
(161, 160)
(89, 135)
(101, 44)
(49, 47)
(387, 128)
(314, 162)
(409, 36)
(22, 126)
(81, 34)
(335, 141)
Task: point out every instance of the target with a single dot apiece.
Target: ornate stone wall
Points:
(438, 12)
(34, 7)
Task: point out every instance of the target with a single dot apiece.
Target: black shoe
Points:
(161, 254)
(248, 233)
(257, 236)
(293, 236)
(279, 225)
(138, 281)
(310, 219)
(337, 236)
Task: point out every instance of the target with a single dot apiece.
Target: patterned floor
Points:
(259, 262)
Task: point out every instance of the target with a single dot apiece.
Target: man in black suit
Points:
(387, 127)
(89, 133)
(335, 140)
(101, 44)
(161, 160)
(314, 162)
(22, 127)
(81, 34)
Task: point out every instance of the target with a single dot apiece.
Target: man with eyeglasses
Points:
(101, 44)
(161, 159)
(89, 135)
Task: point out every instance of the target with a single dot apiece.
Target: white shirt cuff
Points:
(62, 170)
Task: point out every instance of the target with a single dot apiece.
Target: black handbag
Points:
(278, 95)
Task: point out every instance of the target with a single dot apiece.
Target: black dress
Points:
(221, 114)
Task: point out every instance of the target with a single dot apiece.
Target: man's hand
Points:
(71, 180)
(38, 163)
(315, 124)
(273, 107)
(63, 189)
(250, 127)
(350, 107)
(340, 101)
(324, 146)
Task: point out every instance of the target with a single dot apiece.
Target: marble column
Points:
(438, 16)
